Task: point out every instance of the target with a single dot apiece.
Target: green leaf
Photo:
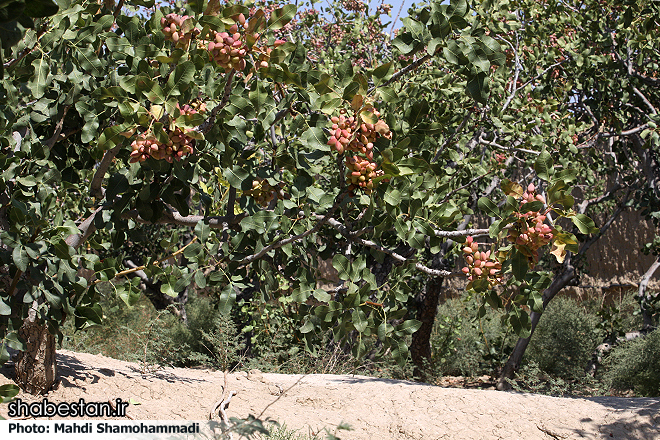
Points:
(359, 319)
(584, 224)
(388, 94)
(392, 197)
(382, 73)
(88, 316)
(168, 290)
(314, 138)
(20, 257)
(487, 206)
(433, 45)
(118, 184)
(8, 392)
(519, 265)
(543, 165)
(342, 265)
(409, 327)
(89, 61)
(181, 78)
(477, 87)
(237, 177)
(307, 327)
(322, 295)
(112, 136)
(40, 8)
(5, 309)
(130, 293)
(261, 222)
(227, 299)
(345, 72)
(521, 324)
(202, 230)
(40, 80)
(280, 17)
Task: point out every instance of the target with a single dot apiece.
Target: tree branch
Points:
(58, 128)
(403, 71)
(510, 98)
(343, 230)
(87, 228)
(175, 218)
(96, 189)
(208, 124)
(323, 219)
(502, 147)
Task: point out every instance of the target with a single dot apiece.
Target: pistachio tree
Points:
(209, 137)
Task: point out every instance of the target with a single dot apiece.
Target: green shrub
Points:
(565, 339)
(635, 365)
(209, 338)
(464, 345)
(124, 331)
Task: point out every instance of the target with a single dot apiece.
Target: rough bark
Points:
(565, 278)
(420, 347)
(159, 300)
(36, 366)
(647, 319)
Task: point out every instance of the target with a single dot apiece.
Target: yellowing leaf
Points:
(511, 188)
(157, 111)
(559, 251)
(368, 117)
(356, 102)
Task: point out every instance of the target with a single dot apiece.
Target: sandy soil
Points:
(374, 408)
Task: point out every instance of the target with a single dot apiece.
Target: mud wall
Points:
(617, 256)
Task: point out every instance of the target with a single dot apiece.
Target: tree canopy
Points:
(231, 147)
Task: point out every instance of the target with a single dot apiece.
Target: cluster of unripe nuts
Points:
(176, 30)
(529, 233)
(177, 146)
(263, 192)
(480, 265)
(362, 171)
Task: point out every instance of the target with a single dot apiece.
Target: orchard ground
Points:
(374, 408)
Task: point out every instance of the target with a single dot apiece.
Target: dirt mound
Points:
(374, 408)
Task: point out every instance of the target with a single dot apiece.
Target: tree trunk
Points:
(513, 363)
(420, 348)
(647, 319)
(35, 366)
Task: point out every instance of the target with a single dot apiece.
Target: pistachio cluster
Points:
(362, 171)
(263, 192)
(480, 265)
(178, 145)
(262, 54)
(529, 232)
(179, 29)
(350, 134)
(346, 135)
(228, 49)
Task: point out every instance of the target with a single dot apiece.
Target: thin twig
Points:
(58, 128)
(208, 124)
(465, 186)
(403, 71)
(155, 263)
